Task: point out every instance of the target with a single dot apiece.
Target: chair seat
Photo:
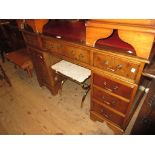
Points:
(21, 59)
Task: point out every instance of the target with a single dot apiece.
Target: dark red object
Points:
(76, 31)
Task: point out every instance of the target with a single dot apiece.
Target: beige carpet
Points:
(27, 108)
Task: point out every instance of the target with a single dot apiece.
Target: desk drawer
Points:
(52, 45)
(76, 53)
(117, 65)
(83, 56)
(69, 51)
(110, 100)
(113, 86)
(106, 113)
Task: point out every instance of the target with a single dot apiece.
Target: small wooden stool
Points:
(20, 58)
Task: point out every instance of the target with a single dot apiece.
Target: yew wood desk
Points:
(115, 75)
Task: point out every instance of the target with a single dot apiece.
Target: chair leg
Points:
(5, 76)
(2, 55)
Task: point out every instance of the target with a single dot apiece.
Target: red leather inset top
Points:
(115, 41)
(73, 31)
(76, 31)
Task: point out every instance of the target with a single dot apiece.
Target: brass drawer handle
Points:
(105, 115)
(118, 67)
(56, 78)
(81, 56)
(40, 57)
(107, 102)
(115, 88)
(111, 90)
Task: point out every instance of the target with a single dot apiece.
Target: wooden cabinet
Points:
(115, 79)
(110, 100)
(114, 97)
(107, 114)
(46, 77)
(110, 84)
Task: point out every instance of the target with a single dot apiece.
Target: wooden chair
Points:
(21, 59)
(4, 76)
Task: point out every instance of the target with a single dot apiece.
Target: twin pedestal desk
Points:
(115, 73)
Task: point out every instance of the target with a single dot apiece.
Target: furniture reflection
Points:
(114, 51)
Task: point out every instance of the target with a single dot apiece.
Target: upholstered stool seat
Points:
(75, 73)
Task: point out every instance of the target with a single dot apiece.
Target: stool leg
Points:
(62, 82)
(84, 96)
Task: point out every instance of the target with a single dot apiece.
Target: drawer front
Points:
(110, 101)
(107, 114)
(31, 39)
(112, 86)
(116, 65)
(52, 45)
(69, 51)
(76, 53)
(83, 56)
